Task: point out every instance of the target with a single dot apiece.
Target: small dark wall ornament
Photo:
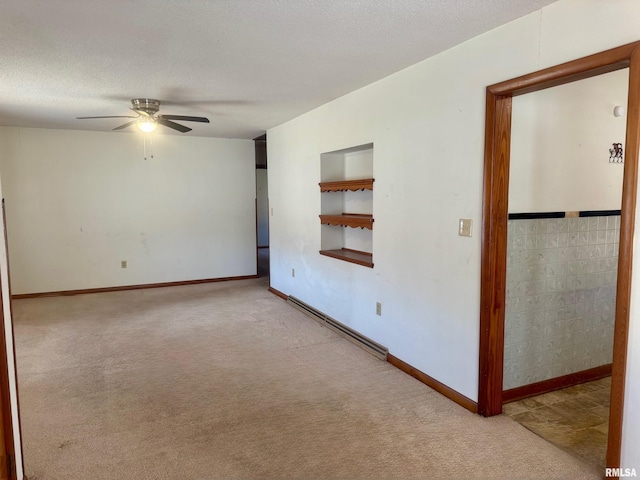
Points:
(616, 154)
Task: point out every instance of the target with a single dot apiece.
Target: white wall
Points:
(80, 202)
(427, 124)
(560, 141)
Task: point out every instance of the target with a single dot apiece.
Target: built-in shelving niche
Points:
(346, 206)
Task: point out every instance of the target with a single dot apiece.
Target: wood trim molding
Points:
(625, 258)
(439, 387)
(353, 220)
(283, 296)
(586, 67)
(494, 253)
(557, 383)
(6, 424)
(344, 185)
(7, 441)
(349, 255)
(13, 340)
(493, 263)
(64, 293)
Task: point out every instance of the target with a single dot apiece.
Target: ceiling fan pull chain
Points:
(144, 142)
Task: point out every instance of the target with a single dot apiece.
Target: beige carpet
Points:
(227, 381)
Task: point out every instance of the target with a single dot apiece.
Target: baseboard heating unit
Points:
(350, 334)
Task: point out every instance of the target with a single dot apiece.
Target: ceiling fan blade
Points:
(185, 118)
(170, 124)
(126, 124)
(114, 116)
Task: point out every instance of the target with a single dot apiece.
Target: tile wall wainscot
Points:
(560, 296)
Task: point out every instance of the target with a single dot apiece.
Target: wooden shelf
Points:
(348, 255)
(353, 220)
(337, 195)
(344, 185)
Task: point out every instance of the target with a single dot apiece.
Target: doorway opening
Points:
(565, 191)
(495, 225)
(262, 207)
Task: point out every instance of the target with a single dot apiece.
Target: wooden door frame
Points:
(8, 460)
(6, 424)
(495, 217)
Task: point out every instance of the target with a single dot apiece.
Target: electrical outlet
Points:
(272, 211)
(293, 272)
(123, 264)
(378, 308)
(465, 227)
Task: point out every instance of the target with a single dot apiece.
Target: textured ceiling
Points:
(248, 65)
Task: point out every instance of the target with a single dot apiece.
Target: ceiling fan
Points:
(147, 118)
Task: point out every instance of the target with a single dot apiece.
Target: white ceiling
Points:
(248, 65)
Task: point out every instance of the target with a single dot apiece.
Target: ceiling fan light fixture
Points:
(147, 119)
(147, 124)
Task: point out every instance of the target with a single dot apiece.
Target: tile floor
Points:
(575, 419)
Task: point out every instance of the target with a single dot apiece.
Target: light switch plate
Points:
(465, 227)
